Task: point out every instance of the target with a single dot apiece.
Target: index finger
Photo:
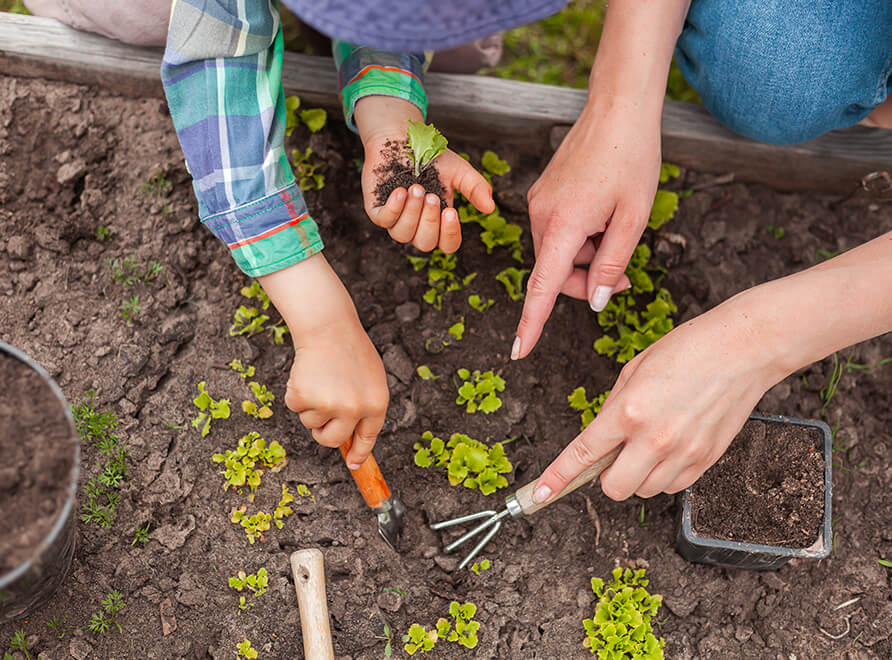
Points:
(554, 263)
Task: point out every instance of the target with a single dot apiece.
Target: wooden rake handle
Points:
(524, 496)
(309, 583)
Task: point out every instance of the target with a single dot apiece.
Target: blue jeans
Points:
(787, 71)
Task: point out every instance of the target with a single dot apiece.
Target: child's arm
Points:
(222, 75)
(381, 92)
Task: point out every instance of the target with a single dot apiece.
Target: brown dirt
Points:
(35, 474)
(397, 172)
(767, 488)
(73, 158)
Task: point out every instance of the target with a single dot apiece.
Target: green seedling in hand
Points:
(209, 409)
(425, 144)
(478, 391)
(467, 461)
(465, 631)
(245, 650)
(419, 639)
(282, 509)
(102, 620)
(512, 279)
(589, 409)
(621, 627)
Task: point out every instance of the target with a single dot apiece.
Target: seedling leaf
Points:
(425, 144)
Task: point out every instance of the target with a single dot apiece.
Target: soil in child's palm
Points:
(767, 488)
(35, 461)
(397, 172)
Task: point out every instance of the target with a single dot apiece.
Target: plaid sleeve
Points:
(365, 71)
(222, 74)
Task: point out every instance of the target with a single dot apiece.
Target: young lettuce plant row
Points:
(478, 391)
(441, 277)
(239, 463)
(208, 409)
(250, 321)
(469, 462)
(464, 631)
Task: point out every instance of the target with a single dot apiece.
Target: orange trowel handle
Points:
(369, 479)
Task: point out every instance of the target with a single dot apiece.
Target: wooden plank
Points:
(474, 107)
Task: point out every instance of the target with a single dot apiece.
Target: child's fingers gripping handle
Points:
(369, 479)
(524, 496)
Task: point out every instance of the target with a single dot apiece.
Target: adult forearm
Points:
(796, 320)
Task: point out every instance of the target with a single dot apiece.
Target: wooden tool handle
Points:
(309, 583)
(524, 496)
(369, 479)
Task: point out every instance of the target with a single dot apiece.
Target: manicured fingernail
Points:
(354, 466)
(601, 298)
(541, 493)
(515, 349)
(417, 191)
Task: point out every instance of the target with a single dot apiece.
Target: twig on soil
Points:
(842, 634)
(596, 520)
(717, 181)
(851, 601)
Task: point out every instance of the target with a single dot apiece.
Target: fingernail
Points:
(354, 466)
(399, 194)
(432, 199)
(541, 493)
(601, 298)
(417, 191)
(515, 349)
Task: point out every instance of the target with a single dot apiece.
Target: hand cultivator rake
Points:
(519, 504)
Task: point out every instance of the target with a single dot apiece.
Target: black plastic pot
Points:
(757, 556)
(33, 582)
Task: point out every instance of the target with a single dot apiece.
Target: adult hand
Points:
(337, 383)
(411, 216)
(675, 407)
(588, 210)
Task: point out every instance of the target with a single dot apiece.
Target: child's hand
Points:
(337, 383)
(410, 216)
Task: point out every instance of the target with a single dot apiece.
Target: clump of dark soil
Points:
(37, 456)
(397, 172)
(767, 488)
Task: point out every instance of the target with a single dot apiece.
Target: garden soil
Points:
(397, 171)
(73, 158)
(38, 454)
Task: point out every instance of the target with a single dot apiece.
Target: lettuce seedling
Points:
(478, 391)
(304, 491)
(308, 176)
(467, 461)
(245, 650)
(424, 372)
(465, 631)
(282, 509)
(493, 165)
(313, 118)
(239, 463)
(589, 409)
(256, 583)
(419, 639)
(209, 408)
(512, 279)
(254, 526)
(250, 321)
(244, 371)
(621, 627)
(637, 332)
(478, 303)
(484, 565)
(425, 144)
(457, 329)
(497, 232)
(261, 409)
(663, 210)
(441, 277)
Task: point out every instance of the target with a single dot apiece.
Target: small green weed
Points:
(621, 627)
(58, 626)
(478, 391)
(512, 279)
(209, 409)
(589, 409)
(387, 638)
(104, 233)
(129, 308)
(127, 272)
(469, 462)
(141, 534)
(465, 630)
(158, 186)
(424, 372)
(777, 232)
(885, 562)
(254, 525)
(18, 643)
(101, 621)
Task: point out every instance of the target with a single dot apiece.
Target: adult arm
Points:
(678, 404)
(591, 204)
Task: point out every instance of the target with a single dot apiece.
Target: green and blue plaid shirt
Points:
(222, 74)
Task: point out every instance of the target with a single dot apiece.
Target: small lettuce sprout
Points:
(250, 321)
(484, 565)
(493, 165)
(589, 409)
(441, 277)
(209, 409)
(424, 372)
(636, 332)
(313, 118)
(465, 631)
(621, 627)
(254, 525)
(467, 461)
(245, 650)
(244, 371)
(425, 144)
(239, 463)
(512, 279)
(308, 176)
(261, 409)
(478, 391)
(304, 491)
(497, 232)
(254, 290)
(256, 583)
(282, 509)
(665, 202)
(457, 329)
(419, 639)
(479, 304)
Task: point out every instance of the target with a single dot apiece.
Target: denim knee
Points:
(789, 71)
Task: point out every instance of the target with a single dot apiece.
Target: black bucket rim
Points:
(67, 508)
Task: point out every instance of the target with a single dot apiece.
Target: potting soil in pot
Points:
(35, 461)
(768, 488)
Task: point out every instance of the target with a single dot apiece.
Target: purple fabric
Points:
(418, 25)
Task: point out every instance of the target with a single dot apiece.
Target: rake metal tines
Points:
(491, 525)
